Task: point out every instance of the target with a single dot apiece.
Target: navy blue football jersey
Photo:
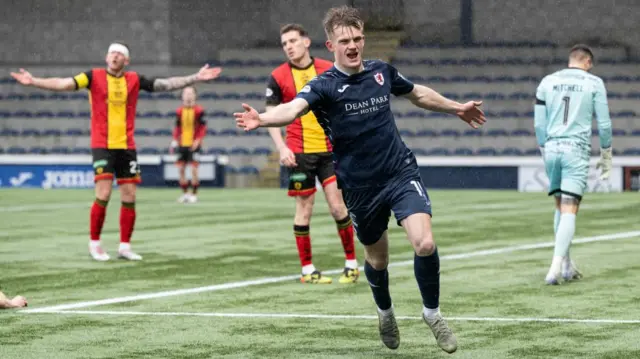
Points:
(355, 113)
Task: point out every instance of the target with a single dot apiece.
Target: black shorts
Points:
(185, 155)
(123, 164)
(370, 209)
(302, 178)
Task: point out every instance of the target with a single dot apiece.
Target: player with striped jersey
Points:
(188, 133)
(307, 153)
(113, 94)
(566, 102)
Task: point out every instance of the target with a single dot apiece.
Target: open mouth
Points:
(352, 56)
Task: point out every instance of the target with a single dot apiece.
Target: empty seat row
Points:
(229, 115)
(405, 132)
(263, 151)
(496, 61)
(489, 96)
(62, 150)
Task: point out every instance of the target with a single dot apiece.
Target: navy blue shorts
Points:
(370, 209)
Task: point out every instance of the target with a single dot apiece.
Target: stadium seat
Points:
(521, 132)
(23, 113)
(142, 132)
(487, 151)
(239, 151)
(217, 151)
(9, 132)
(261, 151)
(406, 133)
(472, 133)
(211, 132)
(163, 132)
(248, 170)
(419, 152)
(52, 132)
(635, 132)
(228, 132)
(463, 151)
(75, 132)
(439, 151)
(449, 132)
(511, 151)
(65, 114)
(426, 133)
(533, 152)
(60, 150)
(631, 152)
(38, 150)
(30, 132)
(16, 150)
(44, 114)
(618, 132)
(497, 132)
(149, 151)
(81, 151)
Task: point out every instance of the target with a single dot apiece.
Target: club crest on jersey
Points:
(379, 78)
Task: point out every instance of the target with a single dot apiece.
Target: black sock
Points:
(427, 271)
(379, 283)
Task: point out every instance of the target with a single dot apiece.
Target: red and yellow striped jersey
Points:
(190, 125)
(113, 103)
(304, 135)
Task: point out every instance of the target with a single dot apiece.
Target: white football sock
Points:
(94, 244)
(430, 313)
(308, 269)
(351, 263)
(124, 246)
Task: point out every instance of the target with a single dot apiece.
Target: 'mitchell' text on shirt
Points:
(367, 106)
(567, 88)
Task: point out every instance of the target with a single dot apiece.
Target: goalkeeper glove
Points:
(174, 143)
(605, 162)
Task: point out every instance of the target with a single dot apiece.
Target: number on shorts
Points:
(566, 101)
(133, 167)
(418, 188)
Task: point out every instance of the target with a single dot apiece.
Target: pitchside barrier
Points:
(76, 171)
(524, 174)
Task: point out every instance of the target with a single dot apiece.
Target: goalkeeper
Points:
(566, 102)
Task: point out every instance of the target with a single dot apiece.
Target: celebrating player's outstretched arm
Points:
(470, 112)
(279, 116)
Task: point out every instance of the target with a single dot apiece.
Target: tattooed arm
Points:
(179, 82)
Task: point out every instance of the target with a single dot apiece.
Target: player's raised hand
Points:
(472, 114)
(249, 119)
(23, 77)
(207, 73)
(287, 158)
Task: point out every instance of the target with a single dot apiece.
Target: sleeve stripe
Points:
(540, 102)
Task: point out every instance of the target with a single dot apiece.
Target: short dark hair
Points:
(342, 16)
(580, 51)
(294, 27)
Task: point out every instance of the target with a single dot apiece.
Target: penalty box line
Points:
(269, 280)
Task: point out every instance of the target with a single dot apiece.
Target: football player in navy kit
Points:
(376, 171)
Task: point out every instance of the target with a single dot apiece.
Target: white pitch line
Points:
(261, 281)
(334, 316)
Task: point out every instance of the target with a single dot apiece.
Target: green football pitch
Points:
(220, 279)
